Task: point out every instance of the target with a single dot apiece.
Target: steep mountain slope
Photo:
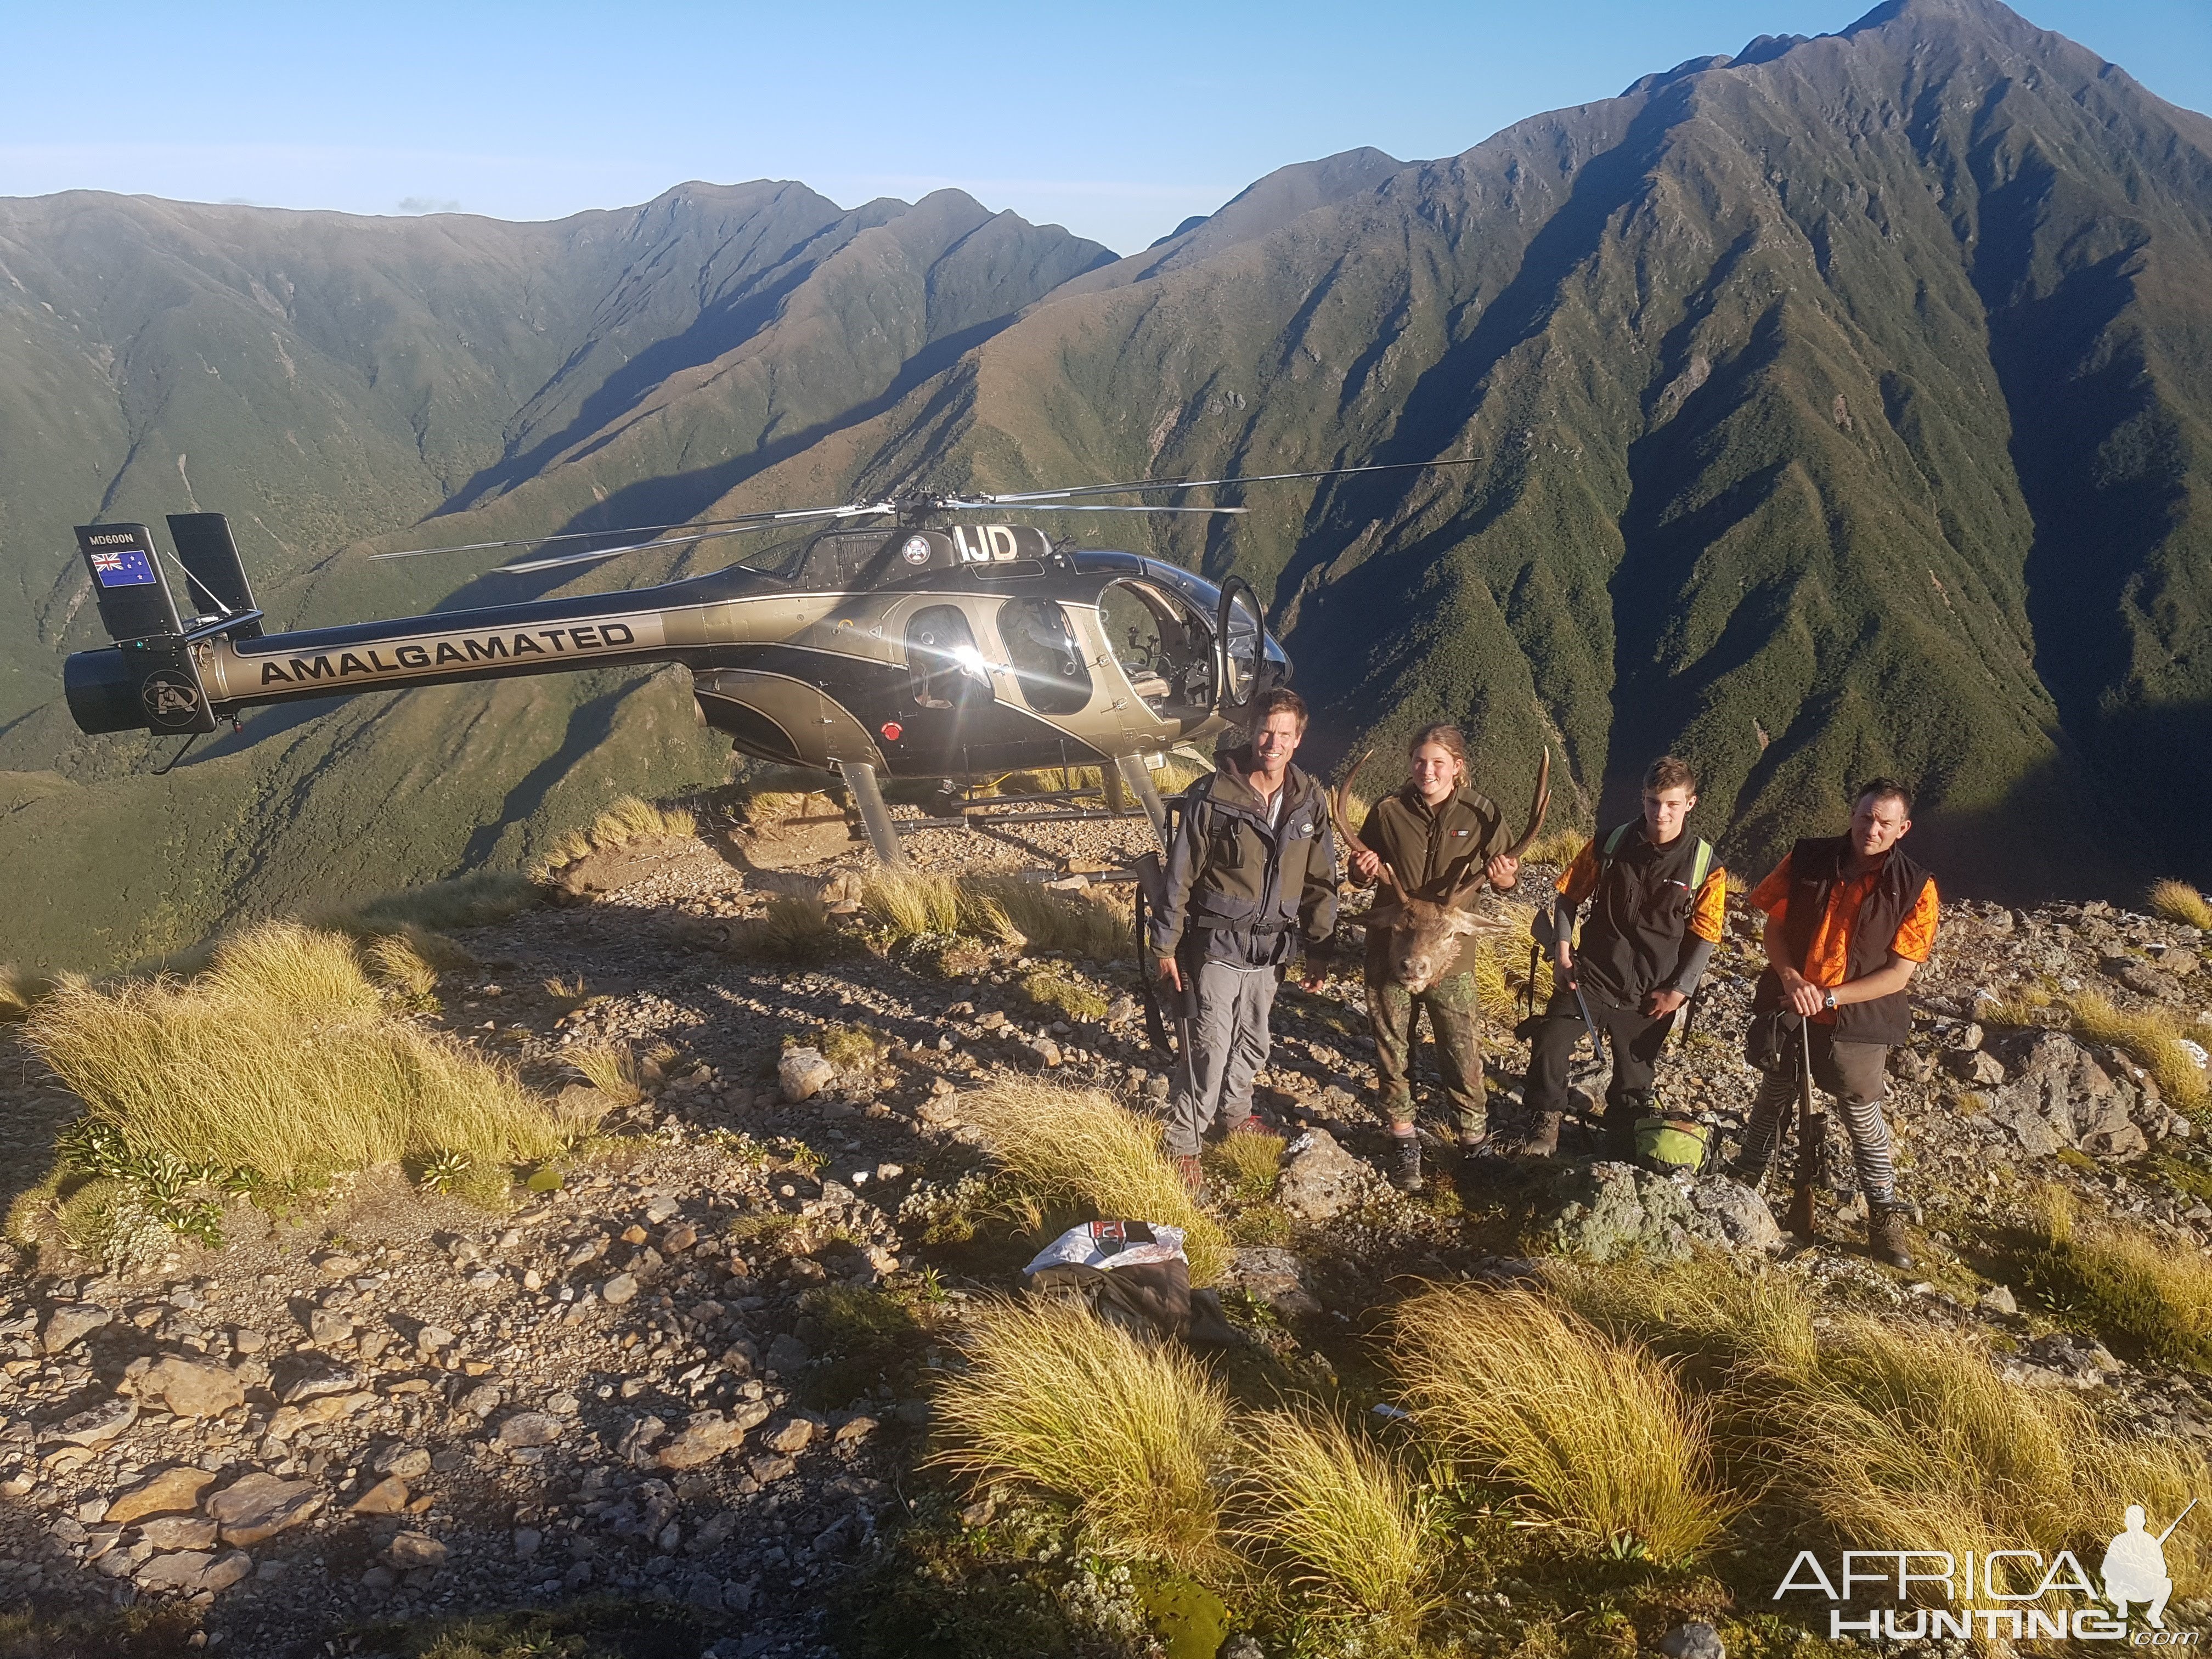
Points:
(1837, 409)
(323, 378)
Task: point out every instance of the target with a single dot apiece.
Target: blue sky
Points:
(1117, 121)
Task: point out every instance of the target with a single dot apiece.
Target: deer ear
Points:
(1458, 921)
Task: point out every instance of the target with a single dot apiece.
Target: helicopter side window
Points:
(1041, 650)
(1161, 645)
(946, 668)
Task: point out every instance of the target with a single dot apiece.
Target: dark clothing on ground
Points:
(1393, 1012)
(1434, 852)
(1245, 885)
(1636, 1041)
(1856, 1074)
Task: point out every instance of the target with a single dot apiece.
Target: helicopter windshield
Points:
(1161, 646)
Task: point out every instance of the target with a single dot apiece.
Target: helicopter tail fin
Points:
(146, 679)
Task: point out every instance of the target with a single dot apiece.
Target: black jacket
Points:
(1255, 891)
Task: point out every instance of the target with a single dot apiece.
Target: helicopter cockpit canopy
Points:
(1162, 645)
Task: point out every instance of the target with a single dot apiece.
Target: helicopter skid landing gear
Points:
(868, 797)
(1137, 778)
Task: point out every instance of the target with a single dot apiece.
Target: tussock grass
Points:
(1056, 992)
(1500, 967)
(1559, 845)
(2179, 901)
(1707, 1308)
(628, 822)
(394, 962)
(1334, 1517)
(2146, 1036)
(2128, 1282)
(1596, 1435)
(1002, 909)
(282, 1060)
(20, 992)
(1133, 1433)
(1913, 1434)
(609, 1067)
(1248, 1161)
(473, 901)
(853, 1048)
(1078, 1147)
(793, 928)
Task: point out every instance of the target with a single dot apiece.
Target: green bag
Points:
(1666, 1144)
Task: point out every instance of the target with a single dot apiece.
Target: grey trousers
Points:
(1231, 1045)
(1856, 1074)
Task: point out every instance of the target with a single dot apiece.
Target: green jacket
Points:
(1433, 852)
(1256, 890)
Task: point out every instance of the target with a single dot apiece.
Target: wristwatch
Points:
(1828, 1000)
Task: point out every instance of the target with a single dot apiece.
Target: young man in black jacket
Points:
(1849, 918)
(1250, 887)
(1657, 900)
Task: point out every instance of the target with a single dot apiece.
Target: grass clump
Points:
(1334, 1517)
(1132, 1432)
(2179, 901)
(1596, 1437)
(628, 822)
(1247, 1162)
(471, 901)
(611, 1069)
(1076, 1147)
(2129, 1284)
(19, 993)
(1002, 909)
(1055, 991)
(2148, 1037)
(281, 1060)
(854, 1048)
(795, 927)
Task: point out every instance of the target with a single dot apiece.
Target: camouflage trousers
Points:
(1393, 1012)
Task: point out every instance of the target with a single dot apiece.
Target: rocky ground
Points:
(697, 1373)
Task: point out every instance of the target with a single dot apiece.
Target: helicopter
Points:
(904, 639)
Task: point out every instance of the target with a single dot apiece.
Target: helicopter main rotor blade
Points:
(1210, 484)
(559, 559)
(1087, 507)
(747, 521)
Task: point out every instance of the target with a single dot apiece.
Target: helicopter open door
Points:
(1239, 645)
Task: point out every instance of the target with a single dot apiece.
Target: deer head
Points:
(1427, 935)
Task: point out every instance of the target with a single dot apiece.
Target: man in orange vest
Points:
(1849, 918)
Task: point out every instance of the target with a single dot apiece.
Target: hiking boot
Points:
(1745, 1175)
(1542, 1140)
(1193, 1175)
(1886, 1236)
(1407, 1177)
(1250, 1124)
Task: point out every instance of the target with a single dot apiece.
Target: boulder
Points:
(803, 1073)
(257, 1506)
(1616, 1212)
(618, 1290)
(169, 1492)
(71, 1323)
(1275, 1277)
(410, 1550)
(2062, 1099)
(96, 1425)
(307, 1374)
(1320, 1180)
(178, 1532)
(786, 1354)
(387, 1497)
(706, 1435)
(793, 1435)
(192, 1387)
(190, 1571)
(526, 1429)
(1695, 1639)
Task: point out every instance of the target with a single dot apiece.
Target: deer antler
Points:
(1339, 810)
(1537, 807)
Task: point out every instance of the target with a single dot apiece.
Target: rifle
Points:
(2177, 1520)
(1812, 1139)
(1151, 889)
